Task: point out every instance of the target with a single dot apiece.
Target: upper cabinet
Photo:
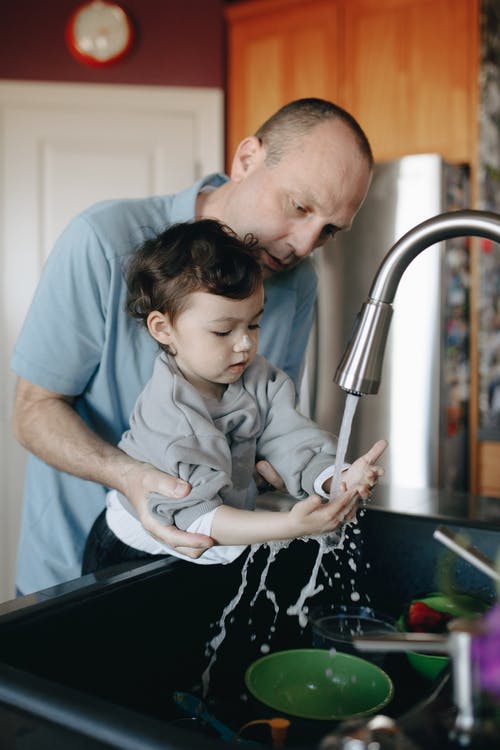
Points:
(406, 69)
(278, 50)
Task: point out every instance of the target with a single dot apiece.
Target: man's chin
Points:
(271, 266)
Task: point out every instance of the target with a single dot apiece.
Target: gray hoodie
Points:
(214, 444)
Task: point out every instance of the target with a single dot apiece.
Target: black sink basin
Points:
(103, 657)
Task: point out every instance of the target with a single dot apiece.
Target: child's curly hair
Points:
(196, 256)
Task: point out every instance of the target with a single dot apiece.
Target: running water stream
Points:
(326, 543)
(351, 404)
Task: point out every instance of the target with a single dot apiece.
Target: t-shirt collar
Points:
(184, 203)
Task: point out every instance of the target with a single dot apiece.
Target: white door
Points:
(64, 147)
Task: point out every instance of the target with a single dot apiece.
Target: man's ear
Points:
(159, 327)
(249, 154)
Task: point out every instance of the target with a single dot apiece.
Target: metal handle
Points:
(426, 642)
(466, 551)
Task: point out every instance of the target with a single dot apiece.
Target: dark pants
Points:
(104, 549)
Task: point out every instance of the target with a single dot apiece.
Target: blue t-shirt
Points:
(78, 340)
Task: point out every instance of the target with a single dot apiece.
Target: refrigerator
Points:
(422, 404)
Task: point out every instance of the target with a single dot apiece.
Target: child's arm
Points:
(308, 517)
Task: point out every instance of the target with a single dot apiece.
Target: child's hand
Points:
(363, 474)
(313, 516)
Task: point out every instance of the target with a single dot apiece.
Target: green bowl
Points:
(319, 684)
(460, 605)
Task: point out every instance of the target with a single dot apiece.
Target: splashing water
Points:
(214, 644)
(326, 544)
(310, 589)
(274, 548)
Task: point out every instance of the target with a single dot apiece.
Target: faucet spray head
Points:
(360, 369)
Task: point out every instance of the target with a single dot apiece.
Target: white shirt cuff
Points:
(321, 479)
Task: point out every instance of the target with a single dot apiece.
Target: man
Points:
(82, 362)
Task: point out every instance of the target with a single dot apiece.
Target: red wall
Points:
(178, 43)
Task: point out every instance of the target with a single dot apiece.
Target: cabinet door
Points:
(278, 50)
(412, 75)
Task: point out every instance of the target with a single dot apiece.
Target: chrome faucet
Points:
(360, 368)
(457, 644)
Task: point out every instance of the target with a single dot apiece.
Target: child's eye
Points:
(300, 209)
(221, 333)
(253, 326)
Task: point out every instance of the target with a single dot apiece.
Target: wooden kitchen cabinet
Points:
(412, 75)
(278, 50)
(488, 469)
(406, 69)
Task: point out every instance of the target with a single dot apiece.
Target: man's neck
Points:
(209, 202)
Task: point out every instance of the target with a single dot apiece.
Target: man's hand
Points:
(142, 479)
(269, 475)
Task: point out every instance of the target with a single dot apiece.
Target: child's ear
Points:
(159, 327)
(249, 153)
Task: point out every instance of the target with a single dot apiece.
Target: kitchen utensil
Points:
(193, 706)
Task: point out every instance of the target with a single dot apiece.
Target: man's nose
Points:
(306, 240)
(243, 344)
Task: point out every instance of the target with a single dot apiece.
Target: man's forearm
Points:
(46, 424)
(52, 430)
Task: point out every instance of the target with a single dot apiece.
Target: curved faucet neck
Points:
(361, 366)
(445, 226)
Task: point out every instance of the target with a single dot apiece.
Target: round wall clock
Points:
(99, 33)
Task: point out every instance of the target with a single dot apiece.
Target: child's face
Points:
(215, 339)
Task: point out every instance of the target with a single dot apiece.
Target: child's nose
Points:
(243, 344)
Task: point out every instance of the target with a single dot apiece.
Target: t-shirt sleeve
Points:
(61, 342)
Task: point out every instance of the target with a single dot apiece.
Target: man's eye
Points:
(221, 333)
(330, 230)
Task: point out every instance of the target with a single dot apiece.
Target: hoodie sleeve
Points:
(296, 447)
(206, 464)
